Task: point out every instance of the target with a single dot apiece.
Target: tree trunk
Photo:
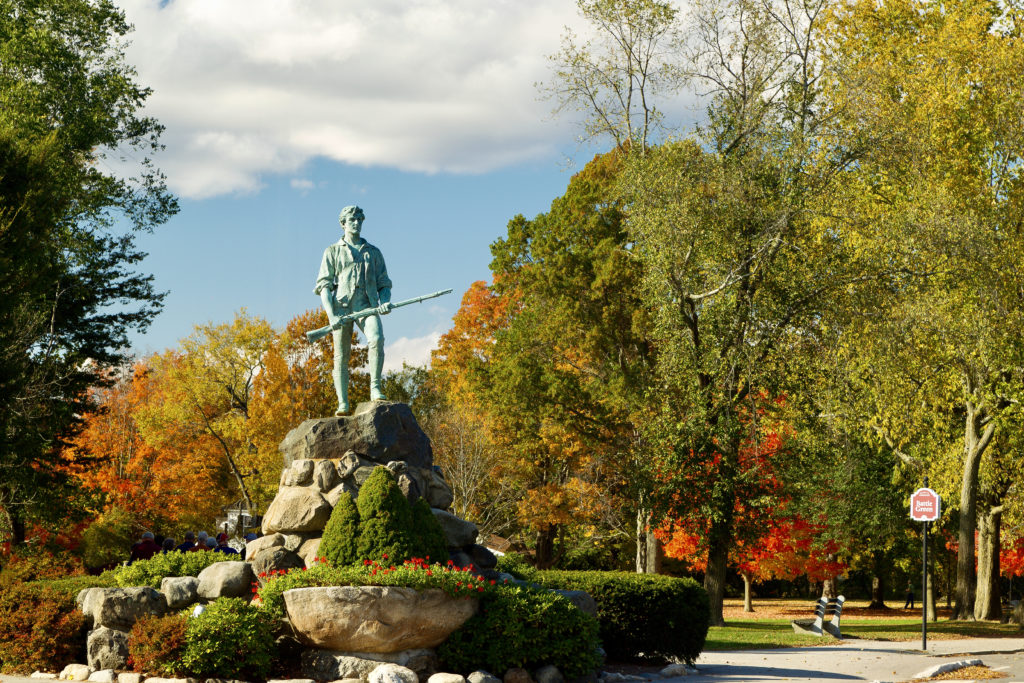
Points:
(830, 589)
(929, 596)
(977, 435)
(748, 604)
(719, 541)
(544, 556)
(17, 526)
(987, 602)
(648, 549)
(878, 582)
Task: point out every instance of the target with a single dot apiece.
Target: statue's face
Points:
(353, 226)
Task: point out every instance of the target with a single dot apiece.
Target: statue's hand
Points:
(384, 308)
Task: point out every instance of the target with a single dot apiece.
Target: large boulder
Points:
(274, 559)
(296, 508)
(330, 665)
(180, 591)
(374, 618)
(380, 430)
(120, 608)
(253, 547)
(107, 648)
(457, 532)
(75, 672)
(226, 580)
(392, 673)
(583, 600)
(436, 490)
(309, 551)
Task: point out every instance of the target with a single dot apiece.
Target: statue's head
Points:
(351, 212)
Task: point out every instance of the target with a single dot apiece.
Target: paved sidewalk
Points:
(858, 660)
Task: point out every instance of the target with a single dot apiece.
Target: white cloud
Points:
(414, 351)
(249, 87)
(303, 185)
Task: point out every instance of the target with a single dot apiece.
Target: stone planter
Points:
(374, 618)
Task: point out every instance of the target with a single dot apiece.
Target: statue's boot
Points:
(340, 375)
(376, 354)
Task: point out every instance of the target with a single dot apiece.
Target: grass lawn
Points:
(769, 627)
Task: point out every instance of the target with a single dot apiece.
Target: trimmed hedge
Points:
(524, 626)
(641, 615)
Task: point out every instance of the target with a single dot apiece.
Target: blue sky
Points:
(280, 112)
(261, 250)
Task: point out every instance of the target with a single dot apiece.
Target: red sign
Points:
(925, 506)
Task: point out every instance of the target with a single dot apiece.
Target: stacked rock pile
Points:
(331, 457)
(115, 610)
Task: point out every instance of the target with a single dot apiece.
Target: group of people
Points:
(148, 545)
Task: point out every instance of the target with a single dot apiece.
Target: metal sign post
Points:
(925, 506)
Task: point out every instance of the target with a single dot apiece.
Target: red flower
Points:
(385, 556)
(480, 589)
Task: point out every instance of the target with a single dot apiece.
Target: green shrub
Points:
(516, 565)
(523, 626)
(105, 542)
(40, 628)
(385, 519)
(72, 585)
(381, 525)
(641, 614)
(152, 571)
(156, 644)
(230, 639)
(428, 532)
(338, 544)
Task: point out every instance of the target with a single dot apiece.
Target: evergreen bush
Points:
(338, 544)
(429, 535)
(230, 639)
(381, 526)
(528, 627)
(645, 615)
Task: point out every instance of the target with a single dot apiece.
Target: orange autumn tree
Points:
(208, 386)
(531, 451)
(158, 483)
(770, 543)
(482, 483)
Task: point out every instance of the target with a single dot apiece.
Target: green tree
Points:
(938, 192)
(567, 376)
(740, 265)
(69, 289)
